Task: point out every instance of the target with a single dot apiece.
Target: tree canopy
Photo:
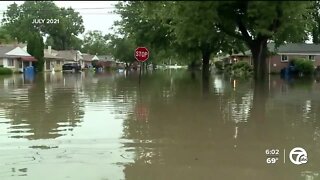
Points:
(35, 48)
(5, 36)
(211, 27)
(18, 20)
(95, 42)
(122, 48)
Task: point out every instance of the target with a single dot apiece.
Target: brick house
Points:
(288, 52)
(283, 54)
(246, 56)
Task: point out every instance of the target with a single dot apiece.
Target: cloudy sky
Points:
(93, 19)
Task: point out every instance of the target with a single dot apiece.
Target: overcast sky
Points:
(93, 19)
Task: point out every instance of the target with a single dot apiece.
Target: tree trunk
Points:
(258, 113)
(205, 71)
(205, 64)
(63, 45)
(146, 66)
(259, 54)
(315, 38)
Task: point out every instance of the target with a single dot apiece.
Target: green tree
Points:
(140, 23)
(194, 28)
(315, 12)
(5, 36)
(95, 42)
(70, 25)
(19, 22)
(176, 29)
(122, 49)
(35, 47)
(257, 22)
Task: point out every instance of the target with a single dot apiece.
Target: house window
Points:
(10, 62)
(58, 62)
(311, 57)
(284, 58)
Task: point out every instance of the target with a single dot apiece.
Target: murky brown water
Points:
(173, 126)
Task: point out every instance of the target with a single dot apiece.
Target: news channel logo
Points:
(298, 156)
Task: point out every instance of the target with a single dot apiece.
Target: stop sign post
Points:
(141, 54)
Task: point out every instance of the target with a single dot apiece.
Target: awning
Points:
(28, 58)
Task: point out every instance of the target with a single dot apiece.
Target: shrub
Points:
(303, 66)
(219, 65)
(241, 68)
(5, 71)
(242, 65)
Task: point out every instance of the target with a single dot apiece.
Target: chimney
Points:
(49, 49)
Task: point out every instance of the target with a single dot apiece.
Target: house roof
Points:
(89, 57)
(52, 55)
(295, 48)
(290, 48)
(13, 50)
(246, 53)
(70, 54)
(106, 58)
(95, 57)
(5, 49)
(17, 51)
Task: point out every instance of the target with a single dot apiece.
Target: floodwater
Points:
(172, 126)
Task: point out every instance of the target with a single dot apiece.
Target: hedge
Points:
(303, 66)
(4, 70)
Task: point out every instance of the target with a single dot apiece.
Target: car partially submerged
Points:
(73, 67)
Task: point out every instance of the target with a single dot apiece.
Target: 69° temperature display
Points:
(272, 160)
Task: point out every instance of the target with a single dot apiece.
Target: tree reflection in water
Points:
(41, 113)
(224, 136)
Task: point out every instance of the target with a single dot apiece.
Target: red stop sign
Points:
(141, 54)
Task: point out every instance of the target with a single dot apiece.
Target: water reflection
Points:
(38, 113)
(173, 125)
(224, 136)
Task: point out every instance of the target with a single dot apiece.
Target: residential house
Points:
(107, 61)
(282, 55)
(14, 57)
(246, 56)
(71, 56)
(288, 52)
(52, 60)
(88, 58)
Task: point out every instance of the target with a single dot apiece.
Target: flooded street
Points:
(173, 126)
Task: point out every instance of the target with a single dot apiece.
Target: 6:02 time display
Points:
(272, 151)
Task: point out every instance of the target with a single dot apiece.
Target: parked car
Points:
(71, 67)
